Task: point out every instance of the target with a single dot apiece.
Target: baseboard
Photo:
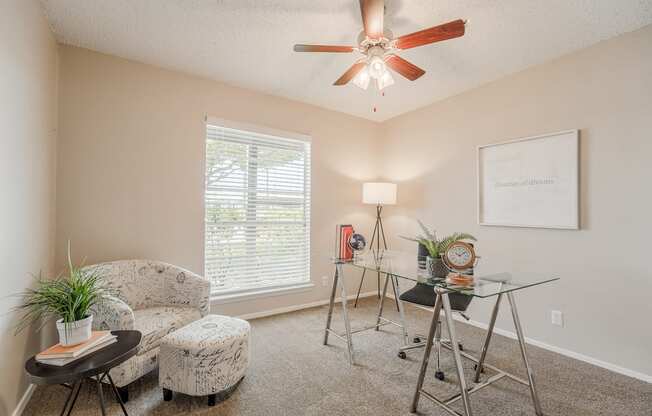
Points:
(293, 308)
(563, 351)
(22, 404)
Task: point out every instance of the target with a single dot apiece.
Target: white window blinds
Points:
(257, 214)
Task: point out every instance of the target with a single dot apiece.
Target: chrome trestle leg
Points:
(396, 299)
(434, 337)
(521, 343)
(378, 283)
(381, 303)
(438, 346)
(456, 351)
(347, 323)
(338, 280)
(426, 353)
(401, 311)
(485, 346)
(357, 297)
(413, 346)
(331, 304)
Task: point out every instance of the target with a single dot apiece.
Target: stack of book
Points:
(59, 355)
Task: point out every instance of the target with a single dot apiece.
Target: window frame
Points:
(229, 296)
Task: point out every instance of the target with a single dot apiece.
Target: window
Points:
(257, 209)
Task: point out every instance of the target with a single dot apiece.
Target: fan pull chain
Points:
(382, 94)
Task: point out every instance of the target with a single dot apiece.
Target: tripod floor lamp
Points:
(378, 194)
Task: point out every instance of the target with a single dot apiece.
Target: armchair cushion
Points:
(155, 323)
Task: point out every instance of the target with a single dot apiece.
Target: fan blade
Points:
(446, 31)
(373, 12)
(322, 48)
(350, 73)
(403, 67)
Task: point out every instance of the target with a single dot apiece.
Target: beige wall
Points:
(606, 277)
(130, 179)
(28, 81)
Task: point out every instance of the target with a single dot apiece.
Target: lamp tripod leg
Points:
(364, 271)
(376, 235)
(381, 233)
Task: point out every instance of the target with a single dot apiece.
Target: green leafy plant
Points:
(436, 247)
(67, 297)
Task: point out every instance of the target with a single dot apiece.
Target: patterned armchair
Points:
(154, 298)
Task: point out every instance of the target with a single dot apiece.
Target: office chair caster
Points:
(416, 340)
(475, 367)
(460, 346)
(402, 355)
(439, 375)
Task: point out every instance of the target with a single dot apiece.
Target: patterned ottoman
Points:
(207, 357)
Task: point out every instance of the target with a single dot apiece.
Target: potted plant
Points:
(436, 247)
(69, 299)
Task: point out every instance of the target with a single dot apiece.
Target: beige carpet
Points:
(292, 373)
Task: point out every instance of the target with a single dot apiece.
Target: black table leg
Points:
(74, 400)
(117, 394)
(74, 392)
(100, 394)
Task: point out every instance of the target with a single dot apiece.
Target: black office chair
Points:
(423, 295)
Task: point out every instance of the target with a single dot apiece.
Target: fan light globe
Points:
(362, 79)
(384, 81)
(377, 67)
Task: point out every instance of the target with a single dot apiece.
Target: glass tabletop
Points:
(405, 265)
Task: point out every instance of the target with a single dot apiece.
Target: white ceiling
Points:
(248, 43)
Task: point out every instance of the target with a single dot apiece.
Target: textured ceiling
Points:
(248, 43)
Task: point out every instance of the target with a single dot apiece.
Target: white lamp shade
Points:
(379, 193)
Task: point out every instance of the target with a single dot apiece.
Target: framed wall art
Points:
(530, 182)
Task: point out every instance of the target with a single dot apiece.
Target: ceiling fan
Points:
(378, 47)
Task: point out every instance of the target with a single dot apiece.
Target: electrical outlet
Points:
(557, 318)
(324, 280)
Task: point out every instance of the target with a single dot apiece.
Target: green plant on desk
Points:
(436, 247)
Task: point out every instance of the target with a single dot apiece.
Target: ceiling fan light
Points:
(362, 78)
(384, 81)
(377, 67)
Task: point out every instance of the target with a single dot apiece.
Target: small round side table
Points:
(94, 366)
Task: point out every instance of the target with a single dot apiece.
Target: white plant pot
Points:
(73, 333)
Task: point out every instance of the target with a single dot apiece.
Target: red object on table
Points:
(345, 251)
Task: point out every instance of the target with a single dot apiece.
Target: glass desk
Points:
(399, 265)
